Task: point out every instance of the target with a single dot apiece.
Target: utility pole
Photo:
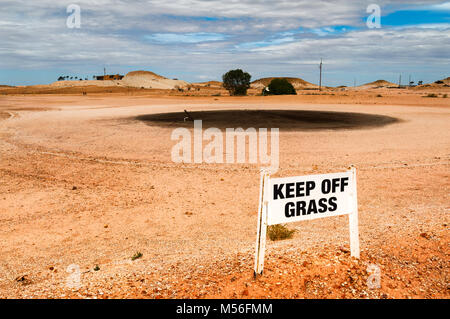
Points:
(104, 71)
(400, 81)
(320, 81)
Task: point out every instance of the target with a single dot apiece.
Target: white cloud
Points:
(213, 36)
(434, 7)
(186, 37)
(442, 6)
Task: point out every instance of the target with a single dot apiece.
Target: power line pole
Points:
(320, 81)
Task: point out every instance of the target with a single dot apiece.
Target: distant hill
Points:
(378, 84)
(137, 79)
(437, 84)
(150, 80)
(444, 81)
(297, 83)
(213, 84)
(147, 74)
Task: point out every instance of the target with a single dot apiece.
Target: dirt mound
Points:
(135, 79)
(212, 84)
(146, 73)
(444, 81)
(297, 83)
(436, 84)
(379, 84)
(150, 80)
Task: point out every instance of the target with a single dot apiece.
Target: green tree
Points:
(237, 82)
(279, 87)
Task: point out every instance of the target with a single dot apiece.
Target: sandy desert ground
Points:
(85, 181)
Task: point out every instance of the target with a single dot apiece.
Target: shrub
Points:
(237, 82)
(431, 95)
(137, 255)
(279, 232)
(280, 87)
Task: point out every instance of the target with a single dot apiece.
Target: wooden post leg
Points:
(353, 219)
(262, 226)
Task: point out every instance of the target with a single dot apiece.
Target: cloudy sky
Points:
(199, 40)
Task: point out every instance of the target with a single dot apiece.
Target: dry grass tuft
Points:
(280, 232)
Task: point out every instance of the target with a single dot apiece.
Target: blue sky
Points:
(415, 17)
(198, 40)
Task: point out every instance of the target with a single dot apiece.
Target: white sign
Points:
(293, 199)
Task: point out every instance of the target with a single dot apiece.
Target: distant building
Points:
(108, 77)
